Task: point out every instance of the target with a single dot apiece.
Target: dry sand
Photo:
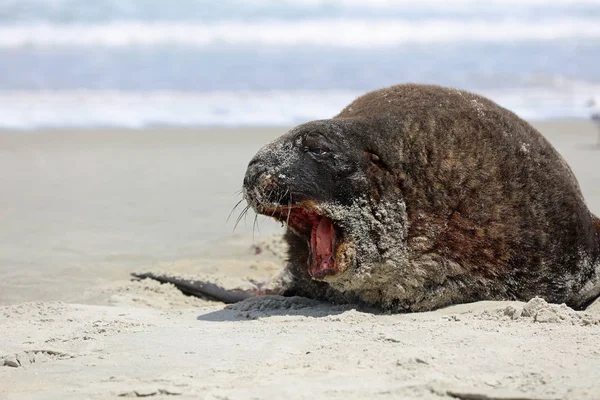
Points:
(80, 210)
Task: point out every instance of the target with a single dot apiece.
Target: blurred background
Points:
(139, 63)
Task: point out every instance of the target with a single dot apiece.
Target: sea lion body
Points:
(416, 197)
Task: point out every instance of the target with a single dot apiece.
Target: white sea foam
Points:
(29, 110)
(330, 32)
(24, 110)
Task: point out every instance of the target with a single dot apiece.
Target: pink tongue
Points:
(322, 241)
(324, 235)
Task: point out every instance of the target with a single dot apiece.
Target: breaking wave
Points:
(326, 32)
(30, 110)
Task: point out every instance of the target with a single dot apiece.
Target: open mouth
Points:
(322, 235)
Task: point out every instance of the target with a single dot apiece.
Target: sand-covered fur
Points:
(429, 196)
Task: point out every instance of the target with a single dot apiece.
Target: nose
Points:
(258, 176)
(255, 170)
(261, 184)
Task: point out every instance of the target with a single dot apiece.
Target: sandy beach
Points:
(82, 209)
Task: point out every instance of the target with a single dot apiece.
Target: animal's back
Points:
(484, 190)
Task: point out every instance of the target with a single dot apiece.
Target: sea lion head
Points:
(329, 183)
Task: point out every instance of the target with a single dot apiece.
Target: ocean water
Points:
(135, 63)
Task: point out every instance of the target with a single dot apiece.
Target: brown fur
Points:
(439, 196)
(482, 187)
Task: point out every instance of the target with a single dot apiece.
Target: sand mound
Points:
(540, 311)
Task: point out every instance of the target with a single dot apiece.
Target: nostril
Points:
(261, 184)
(253, 173)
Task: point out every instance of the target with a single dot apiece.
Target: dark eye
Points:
(316, 146)
(319, 151)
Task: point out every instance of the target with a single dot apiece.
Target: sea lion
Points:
(416, 197)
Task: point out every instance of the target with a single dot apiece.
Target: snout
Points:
(256, 174)
(262, 186)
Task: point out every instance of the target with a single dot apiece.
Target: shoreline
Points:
(203, 128)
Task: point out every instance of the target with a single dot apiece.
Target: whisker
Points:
(233, 209)
(242, 215)
(245, 215)
(287, 190)
(275, 208)
(255, 225)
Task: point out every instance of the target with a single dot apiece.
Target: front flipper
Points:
(203, 289)
(289, 282)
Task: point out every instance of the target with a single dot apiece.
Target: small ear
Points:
(376, 161)
(373, 157)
